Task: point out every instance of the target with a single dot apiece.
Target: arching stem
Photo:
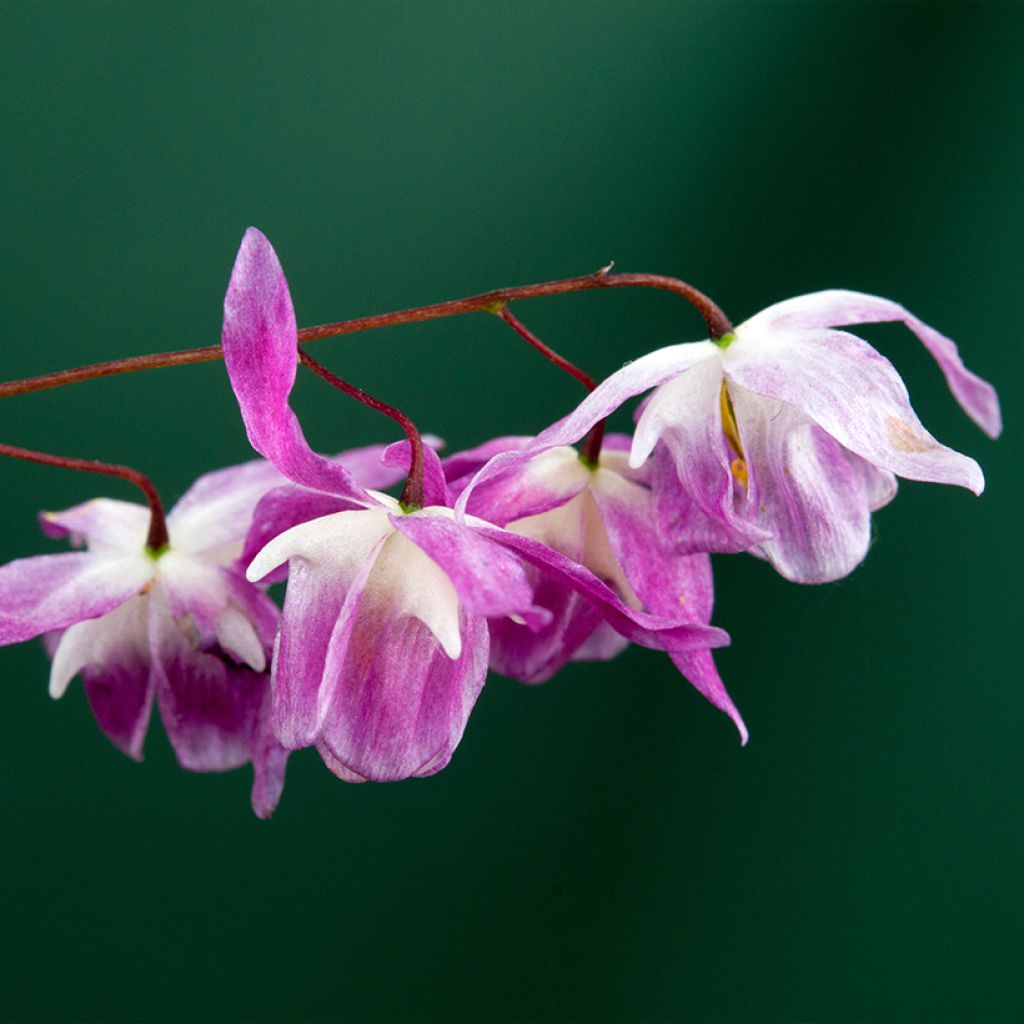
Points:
(157, 539)
(412, 493)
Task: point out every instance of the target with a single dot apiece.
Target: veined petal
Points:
(435, 488)
(839, 308)
(399, 702)
(815, 501)
(106, 525)
(462, 466)
(488, 580)
(260, 341)
(854, 393)
(51, 592)
(269, 761)
(112, 654)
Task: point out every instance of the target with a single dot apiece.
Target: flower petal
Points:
(51, 592)
(260, 342)
(854, 393)
(112, 654)
(489, 581)
(104, 524)
(460, 467)
(668, 583)
(399, 703)
(839, 308)
(435, 488)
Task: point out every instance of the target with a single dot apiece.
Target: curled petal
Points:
(51, 592)
(839, 308)
(852, 392)
(260, 342)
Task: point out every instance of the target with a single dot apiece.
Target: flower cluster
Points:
(778, 438)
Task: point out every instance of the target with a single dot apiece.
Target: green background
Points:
(600, 847)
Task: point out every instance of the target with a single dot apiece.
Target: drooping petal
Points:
(669, 584)
(815, 501)
(106, 525)
(261, 353)
(655, 631)
(840, 308)
(399, 702)
(329, 560)
(208, 705)
(112, 654)
(854, 393)
(51, 592)
(488, 580)
(269, 761)
(646, 372)
(700, 502)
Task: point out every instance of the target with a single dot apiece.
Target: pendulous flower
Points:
(383, 644)
(181, 626)
(784, 436)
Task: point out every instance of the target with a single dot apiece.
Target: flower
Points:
(783, 437)
(181, 625)
(601, 517)
(383, 643)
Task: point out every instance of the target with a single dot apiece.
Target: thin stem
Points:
(591, 451)
(412, 494)
(493, 301)
(157, 538)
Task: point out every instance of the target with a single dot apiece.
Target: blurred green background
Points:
(600, 847)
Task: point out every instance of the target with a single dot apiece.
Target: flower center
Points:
(732, 435)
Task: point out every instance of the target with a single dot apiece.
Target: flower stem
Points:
(412, 493)
(157, 538)
(591, 451)
(493, 301)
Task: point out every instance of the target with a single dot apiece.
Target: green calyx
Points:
(725, 340)
(157, 553)
(585, 460)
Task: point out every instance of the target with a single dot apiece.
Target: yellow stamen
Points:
(732, 435)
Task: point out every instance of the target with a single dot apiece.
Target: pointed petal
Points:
(112, 654)
(668, 584)
(260, 342)
(106, 525)
(269, 761)
(399, 703)
(53, 591)
(838, 308)
(641, 628)
(854, 393)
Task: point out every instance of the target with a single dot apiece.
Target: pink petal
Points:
(838, 308)
(51, 592)
(260, 342)
(854, 393)
(435, 488)
(103, 523)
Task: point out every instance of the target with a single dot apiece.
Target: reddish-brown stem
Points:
(591, 451)
(157, 538)
(412, 494)
(493, 301)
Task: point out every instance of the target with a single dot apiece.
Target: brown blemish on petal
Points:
(903, 437)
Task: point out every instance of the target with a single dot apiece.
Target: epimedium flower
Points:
(600, 516)
(782, 437)
(383, 643)
(180, 626)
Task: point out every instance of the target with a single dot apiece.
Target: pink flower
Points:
(782, 438)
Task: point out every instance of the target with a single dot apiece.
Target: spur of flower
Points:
(782, 436)
(600, 516)
(180, 625)
(384, 637)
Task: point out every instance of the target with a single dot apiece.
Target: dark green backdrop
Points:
(600, 848)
